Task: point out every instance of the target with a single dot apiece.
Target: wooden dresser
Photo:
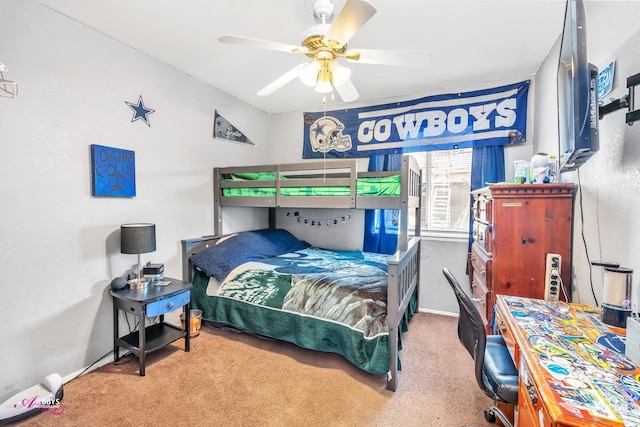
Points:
(515, 226)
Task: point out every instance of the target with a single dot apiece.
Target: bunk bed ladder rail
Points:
(404, 276)
(217, 209)
(410, 202)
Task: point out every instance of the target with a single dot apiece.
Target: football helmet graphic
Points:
(326, 135)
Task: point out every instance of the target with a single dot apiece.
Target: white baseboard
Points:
(100, 363)
(440, 312)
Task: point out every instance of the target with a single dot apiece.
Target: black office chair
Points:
(495, 371)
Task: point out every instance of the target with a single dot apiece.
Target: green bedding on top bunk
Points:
(384, 186)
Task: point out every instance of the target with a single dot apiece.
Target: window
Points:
(445, 192)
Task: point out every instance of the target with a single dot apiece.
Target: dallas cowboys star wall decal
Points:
(140, 111)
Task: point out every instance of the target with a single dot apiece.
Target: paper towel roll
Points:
(616, 285)
(635, 297)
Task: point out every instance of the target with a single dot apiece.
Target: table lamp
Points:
(139, 238)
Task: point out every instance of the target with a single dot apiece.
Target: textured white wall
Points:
(59, 246)
(610, 190)
(609, 182)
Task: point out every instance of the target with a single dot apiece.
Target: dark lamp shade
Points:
(137, 238)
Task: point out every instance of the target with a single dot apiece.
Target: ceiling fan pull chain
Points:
(324, 152)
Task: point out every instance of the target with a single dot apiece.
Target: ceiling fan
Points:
(325, 43)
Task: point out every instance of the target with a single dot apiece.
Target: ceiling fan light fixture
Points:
(324, 43)
(309, 73)
(324, 81)
(324, 87)
(341, 74)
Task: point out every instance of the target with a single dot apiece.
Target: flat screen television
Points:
(577, 92)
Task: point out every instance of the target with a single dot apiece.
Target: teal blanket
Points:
(315, 298)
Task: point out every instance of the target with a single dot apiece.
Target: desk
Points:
(573, 371)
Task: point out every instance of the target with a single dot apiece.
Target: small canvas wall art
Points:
(222, 129)
(113, 172)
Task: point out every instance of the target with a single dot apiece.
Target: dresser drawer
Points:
(479, 291)
(479, 295)
(482, 208)
(482, 235)
(168, 304)
(481, 263)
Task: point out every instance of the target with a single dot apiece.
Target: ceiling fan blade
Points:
(353, 15)
(281, 81)
(347, 91)
(261, 44)
(411, 58)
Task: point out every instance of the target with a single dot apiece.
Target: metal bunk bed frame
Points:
(403, 266)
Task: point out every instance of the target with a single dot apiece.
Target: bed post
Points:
(410, 201)
(417, 185)
(403, 280)
(392, 295)
(217, 209)
(403, 229)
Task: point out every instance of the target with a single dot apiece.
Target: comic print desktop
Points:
(570, 363)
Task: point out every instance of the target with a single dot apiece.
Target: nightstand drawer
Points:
(168, 304)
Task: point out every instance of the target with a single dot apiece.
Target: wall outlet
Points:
(552, 279)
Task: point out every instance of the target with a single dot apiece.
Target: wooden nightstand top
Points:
(151, 293)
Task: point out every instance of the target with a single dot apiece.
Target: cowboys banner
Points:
(495, 116)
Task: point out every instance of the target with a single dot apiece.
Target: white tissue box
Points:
(632, 346)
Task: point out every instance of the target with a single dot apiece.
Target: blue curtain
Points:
(381, 225)
(487, 167)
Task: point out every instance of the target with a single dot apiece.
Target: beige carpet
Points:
(231, 379)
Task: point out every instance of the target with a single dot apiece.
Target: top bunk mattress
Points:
(388, 186)
(331, 184)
